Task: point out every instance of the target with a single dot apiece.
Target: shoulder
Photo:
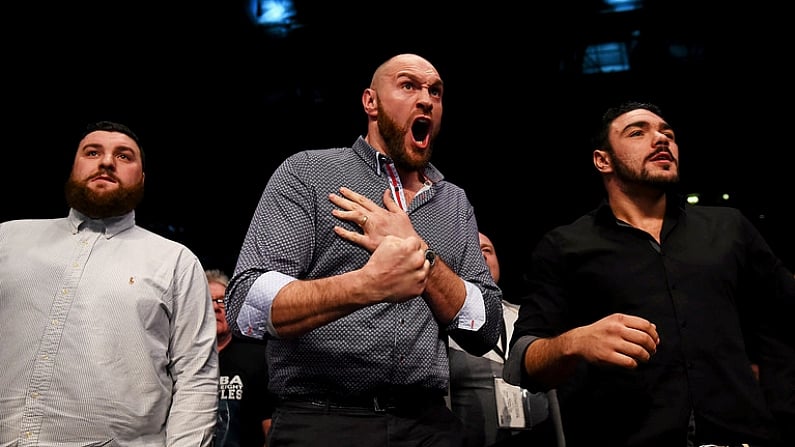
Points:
(715, 215)
(719, 220)
(158, 245)
(33, 229)
(316, 162)
(713, 211)
(452, 191)
(444, 186)
(583, 231)
(319, 155)
(582, 224)
(30, 223)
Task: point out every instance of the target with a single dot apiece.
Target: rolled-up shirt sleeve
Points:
(473, 313)
(254, 318)
(513, 370)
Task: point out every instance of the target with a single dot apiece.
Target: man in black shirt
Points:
(244, 403)
(647, 313)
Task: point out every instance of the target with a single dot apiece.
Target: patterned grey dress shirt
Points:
(385, 345)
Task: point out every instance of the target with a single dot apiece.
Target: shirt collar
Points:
(674, 208)
(110, 226)
(376, 160)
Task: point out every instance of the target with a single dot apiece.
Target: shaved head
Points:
(388, 67)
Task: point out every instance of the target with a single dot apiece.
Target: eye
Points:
(125, 155)
(408, 86)
(435, 92)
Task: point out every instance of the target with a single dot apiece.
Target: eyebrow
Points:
(645, 124)
(416, 78)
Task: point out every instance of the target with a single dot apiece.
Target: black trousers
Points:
(321, 423)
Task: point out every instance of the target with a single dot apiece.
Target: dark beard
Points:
(643, 178)
(394, 136)
(106, 204)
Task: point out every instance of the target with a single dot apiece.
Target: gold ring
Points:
(364, 220)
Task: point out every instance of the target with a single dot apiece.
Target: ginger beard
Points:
(100, 204)
(395, 136)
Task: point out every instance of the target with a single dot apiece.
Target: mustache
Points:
(661, 150)
(104, 173)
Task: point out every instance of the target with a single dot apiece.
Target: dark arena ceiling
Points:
(220, 98)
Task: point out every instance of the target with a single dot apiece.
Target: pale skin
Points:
(108, 160)
(222, 330)
(644, 151)
(490, 256)
(407, 88)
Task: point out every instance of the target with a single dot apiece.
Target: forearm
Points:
(550, 361)
(304, 305)
(444, 292)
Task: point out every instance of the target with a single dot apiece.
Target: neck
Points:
(643, 207)
(412, 180)
(644, 210)
(635, 200)
(223, 340)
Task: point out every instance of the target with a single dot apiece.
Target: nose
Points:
(661, 134)
(425, 102)
(108, 160)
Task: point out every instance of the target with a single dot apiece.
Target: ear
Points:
(370, 102)
(601, 160)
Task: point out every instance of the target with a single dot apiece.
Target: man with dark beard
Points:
(358, 264)
(107, 329)
(647, 312)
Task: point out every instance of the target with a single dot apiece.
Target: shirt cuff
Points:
(514, 365)
(254, 317)
(472, 315)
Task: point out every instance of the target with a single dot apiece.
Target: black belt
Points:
(379, 403)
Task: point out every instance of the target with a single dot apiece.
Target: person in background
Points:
(358, 263)
(638, 311)
(244, 404)
(474, 379)
(106, 328)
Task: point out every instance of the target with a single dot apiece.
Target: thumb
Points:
(389, 201)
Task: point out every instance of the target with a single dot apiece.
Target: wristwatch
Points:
(430, 255)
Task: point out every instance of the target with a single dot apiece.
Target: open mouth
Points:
(663, 155)
(420, 129)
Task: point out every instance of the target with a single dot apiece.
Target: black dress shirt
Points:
(717, 294)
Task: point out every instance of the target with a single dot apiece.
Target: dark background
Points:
(219, 102)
